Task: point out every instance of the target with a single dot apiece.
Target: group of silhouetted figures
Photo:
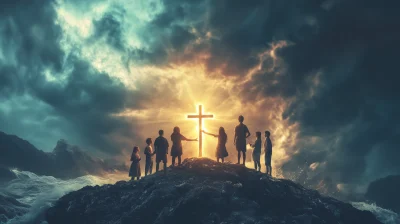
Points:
(161, 146)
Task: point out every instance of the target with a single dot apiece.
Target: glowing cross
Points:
(200, 116)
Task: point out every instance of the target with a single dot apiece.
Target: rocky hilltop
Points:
(204, 191)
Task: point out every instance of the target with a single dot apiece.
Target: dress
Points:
(161, 146)
(240, 131)
(176, 149)
(135, 171)
(221, 147)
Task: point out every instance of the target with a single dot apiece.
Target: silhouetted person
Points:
(176, 149)
(268, 152)
(134, 171)
(221, 152)
(257, 152)
(241, 133)
(161, 149)
(148, 151)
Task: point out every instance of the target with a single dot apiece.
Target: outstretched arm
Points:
(209, 134)
(191, 139)
(188, 139)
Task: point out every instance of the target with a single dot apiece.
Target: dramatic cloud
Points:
(321, 75)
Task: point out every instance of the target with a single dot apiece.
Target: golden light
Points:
(201, 116)
(167, 94)
(181, 88)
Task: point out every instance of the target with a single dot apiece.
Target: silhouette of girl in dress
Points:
(135, 171)
(176, 150)
(221, 151)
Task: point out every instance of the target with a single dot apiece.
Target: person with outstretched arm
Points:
(176, 149)
(221, 151)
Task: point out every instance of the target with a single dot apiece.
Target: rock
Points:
(385, 192)
(204, 191)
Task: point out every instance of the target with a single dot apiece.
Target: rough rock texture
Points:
(203, 191)
(385, 192)
(65, 161)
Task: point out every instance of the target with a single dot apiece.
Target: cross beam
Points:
(200, 116)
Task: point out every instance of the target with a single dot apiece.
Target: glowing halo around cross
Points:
(200, 116)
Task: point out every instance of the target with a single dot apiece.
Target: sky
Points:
(321, 76)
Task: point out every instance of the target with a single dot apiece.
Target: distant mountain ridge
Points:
(65, 161)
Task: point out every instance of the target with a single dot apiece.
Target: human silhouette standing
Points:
(257, 152)
(148, 151)
(241, 133)
(134, 171)
(268, 152)
(221, 151)
(161, 150)
(176, 149)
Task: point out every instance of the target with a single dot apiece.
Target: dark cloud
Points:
(338, 69)
(354, 107)
(88, 99)
(79, 100)
(109, 26)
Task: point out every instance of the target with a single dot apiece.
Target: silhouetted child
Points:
(176, 150)
(257, 152)
(241, 133)
(161, 150)
(221, 152)
(134, 171)
(148, 151)
(268, 152)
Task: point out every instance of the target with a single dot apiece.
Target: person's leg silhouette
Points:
(173, 160)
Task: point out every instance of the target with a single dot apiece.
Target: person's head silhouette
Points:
(161, 132)
(177, 130)
(221, 130)
(267, 134)
(149, 141)
(241, 119)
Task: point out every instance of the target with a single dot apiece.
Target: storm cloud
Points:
(327, 68)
